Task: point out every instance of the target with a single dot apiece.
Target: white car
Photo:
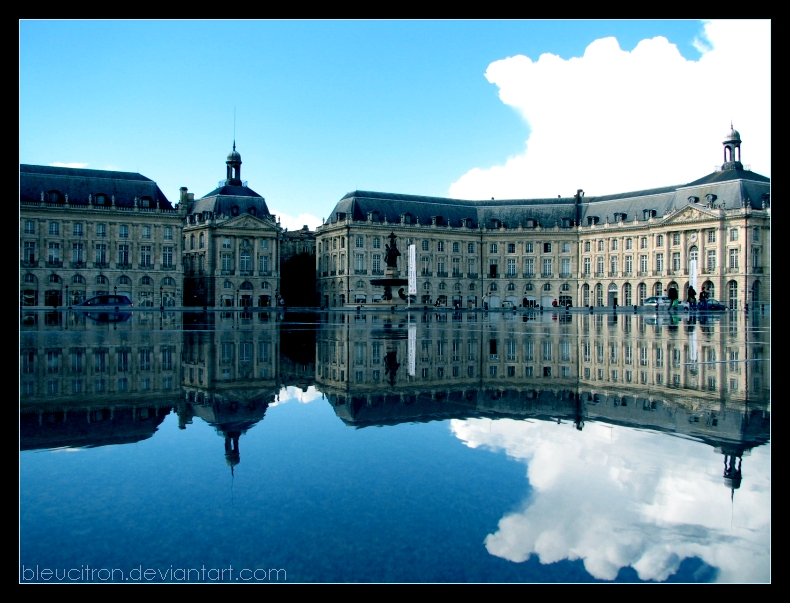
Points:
(663, 302)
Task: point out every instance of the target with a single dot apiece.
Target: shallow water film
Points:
(392, 447)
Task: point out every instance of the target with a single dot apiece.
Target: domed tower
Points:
(732, 150)
(234, 167)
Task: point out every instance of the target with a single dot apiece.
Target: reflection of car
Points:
(97, 301)
(714, 304)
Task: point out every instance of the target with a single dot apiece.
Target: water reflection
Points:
(586, 402)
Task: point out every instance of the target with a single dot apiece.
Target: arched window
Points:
(732, 290)
(201, 240)
(101, 280)
(78, 279)
(124, 280)
(627, 294)
(642, 293)
(29, 278)
(168, 281)
(54, 278)
(146, 280)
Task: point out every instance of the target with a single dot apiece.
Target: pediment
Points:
(248, 222)
(690, 214)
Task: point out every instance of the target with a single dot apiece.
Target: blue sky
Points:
(323, 108)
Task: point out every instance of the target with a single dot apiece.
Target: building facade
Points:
(231, 245)
(89, 232)
(595, 251)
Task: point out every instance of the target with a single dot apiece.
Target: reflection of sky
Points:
(616, 497)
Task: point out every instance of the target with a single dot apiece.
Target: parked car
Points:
(662, 302)
(714, 304)
(98, 301)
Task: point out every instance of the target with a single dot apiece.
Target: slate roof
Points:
(731, 188)
(222, 200)
(79, 183)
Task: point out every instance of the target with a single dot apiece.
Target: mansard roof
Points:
(78, 184)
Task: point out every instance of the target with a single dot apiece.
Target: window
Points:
(226, 243)
(614, 244)
(440, 246)
(493, 248)
(376, 243)
(456, 247)
(147, 234)
(30, 227)
(711, 260)
(587, 246)
(167, 257)
(511, 248)
(359, 242)
(54, 228)
(566, 248)
(733, 259)
(123, 254)
(659, 261)
(77, 229)
(711, 236)
(470, 248)
(629, 243)
(733, 234)
(676, 238)
(660, 240)
(168, 233)
(123, 231)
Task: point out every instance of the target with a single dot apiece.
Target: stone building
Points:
(231, 245)
(88, 232)
(588, 251)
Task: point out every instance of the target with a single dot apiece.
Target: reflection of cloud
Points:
(68, 165)
(614, 120)
(294, 393)
(617, 497)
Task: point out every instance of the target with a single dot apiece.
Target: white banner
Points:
(693, 275)
(412, 270)
(412, 348)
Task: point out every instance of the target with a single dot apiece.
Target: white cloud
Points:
(613, 121)
(291, 223)
(616, 497)
(69, 165)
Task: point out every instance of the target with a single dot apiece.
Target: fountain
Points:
(391, 272)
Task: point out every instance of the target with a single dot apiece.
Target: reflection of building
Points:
(231, 245)
(599, 251)
(88, 232)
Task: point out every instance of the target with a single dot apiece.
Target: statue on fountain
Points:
(391, 257)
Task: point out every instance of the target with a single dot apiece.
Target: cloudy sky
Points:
(462, 109)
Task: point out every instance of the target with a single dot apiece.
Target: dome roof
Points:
(732, 135)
